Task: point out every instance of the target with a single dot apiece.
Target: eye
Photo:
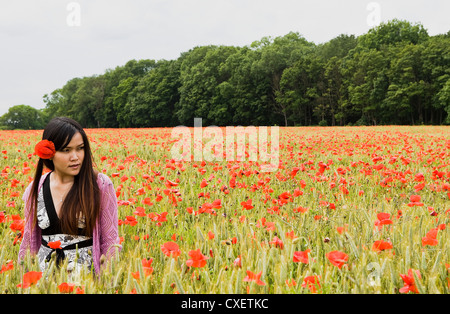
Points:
(81, 148)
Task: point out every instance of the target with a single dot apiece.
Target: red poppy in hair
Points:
(45, 149)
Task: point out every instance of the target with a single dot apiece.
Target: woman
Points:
(71, 207)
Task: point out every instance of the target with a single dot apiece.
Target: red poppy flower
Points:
(247, 204)
(254, 277)
(170, 184)
(419, 187)
(430, 238)
(171, 249)
(337, 258)
(217, 204)
(291, 283)
(297, 192)
(66, 287)
(147, 201)
(140, 211)
(30, 278)
(301, 256)
(277, 242)
(131, 220)
(197, 259)
(162, 217)
(290, 235)
(146, 266)
(17, 225)
(270, 226)
(414, 200)
(312, 283)
(340, 230)
(383, 219)
(45, 149)
(136, 275)
(8, 266)
(409, 282)
(381, 246)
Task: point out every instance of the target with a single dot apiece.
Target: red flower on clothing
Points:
(55, 245)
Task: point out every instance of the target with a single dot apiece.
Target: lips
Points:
(74, 166)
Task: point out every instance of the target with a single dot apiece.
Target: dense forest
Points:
(394, 74)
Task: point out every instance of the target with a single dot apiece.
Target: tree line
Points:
(393, 74)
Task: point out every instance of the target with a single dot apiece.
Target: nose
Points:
(74, 156)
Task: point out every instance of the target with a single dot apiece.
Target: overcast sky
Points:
(45, 43)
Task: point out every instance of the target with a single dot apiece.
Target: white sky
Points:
(40, 51)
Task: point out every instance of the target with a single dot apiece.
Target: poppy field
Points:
(348, 210)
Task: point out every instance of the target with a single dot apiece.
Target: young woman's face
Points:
(68, 161)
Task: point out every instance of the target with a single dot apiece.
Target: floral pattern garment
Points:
(105, 237)
(75, 264)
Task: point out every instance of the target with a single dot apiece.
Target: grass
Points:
(378, 166)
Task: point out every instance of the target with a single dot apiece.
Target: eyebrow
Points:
(76, 146)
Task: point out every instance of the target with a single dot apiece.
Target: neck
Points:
(61, 178)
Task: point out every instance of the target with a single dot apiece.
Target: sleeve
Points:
(27, 233)
(109, 223)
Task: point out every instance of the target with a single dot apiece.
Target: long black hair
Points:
(84, 196)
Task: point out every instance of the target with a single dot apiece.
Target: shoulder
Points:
(103, 181)
(27, 191)
(30, 185)
(107, 193)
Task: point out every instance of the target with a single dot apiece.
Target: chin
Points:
(73, 173)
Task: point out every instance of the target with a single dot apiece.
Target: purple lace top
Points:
(105, 234)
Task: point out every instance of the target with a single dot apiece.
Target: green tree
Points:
(22, 117)
(119, 83)
(275, 56)
(436, 74)
(393, 32)
(60, 102)
(337, 47)
(394, 74)
(365, 78)
(193, 93)
(408, 93)
(443, 99)
(201, 94)
(246, 90)
(152, 102)
(301, 87)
